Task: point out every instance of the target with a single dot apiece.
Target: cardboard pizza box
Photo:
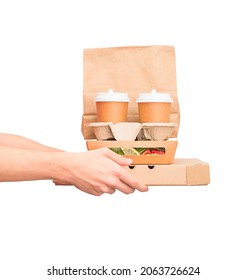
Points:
(183, 172)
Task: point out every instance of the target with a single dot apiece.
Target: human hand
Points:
(96, 172)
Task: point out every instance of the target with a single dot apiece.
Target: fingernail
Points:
(129, 160)
(145, 188)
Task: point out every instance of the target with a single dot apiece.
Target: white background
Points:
(41, 44)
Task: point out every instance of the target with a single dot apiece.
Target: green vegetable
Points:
(140, 150)
(117, 151)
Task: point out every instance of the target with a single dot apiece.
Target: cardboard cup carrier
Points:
(133, 72)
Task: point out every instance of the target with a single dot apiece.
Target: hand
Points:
(97, 172)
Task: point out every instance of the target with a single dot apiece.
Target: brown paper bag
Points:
(128, 69)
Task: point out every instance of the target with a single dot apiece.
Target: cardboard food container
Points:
(135, 70)
(183, 172)
(167, 158)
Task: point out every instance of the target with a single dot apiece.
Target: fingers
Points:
(124, 182)
(123, 161)
(124, 188)
(116, 184)
(127, 179)
(96, 190)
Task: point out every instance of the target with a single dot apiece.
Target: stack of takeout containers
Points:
(131, 106)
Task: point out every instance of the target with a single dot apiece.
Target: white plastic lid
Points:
(111, 96)
(154, 97)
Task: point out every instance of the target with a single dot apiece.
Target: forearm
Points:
(23, 164)
(19, 142)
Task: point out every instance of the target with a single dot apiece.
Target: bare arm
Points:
(19, 142)
(24, 164)
(95, 172)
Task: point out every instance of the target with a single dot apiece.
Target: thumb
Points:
(118, 158)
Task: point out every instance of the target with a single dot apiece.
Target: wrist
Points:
(58, 166)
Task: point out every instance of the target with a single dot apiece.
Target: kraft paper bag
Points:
(132, 70)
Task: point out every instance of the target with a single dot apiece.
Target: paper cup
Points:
(154, 107)
(112, 107)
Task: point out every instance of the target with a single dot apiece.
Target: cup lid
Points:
(112, 96)
(153, 96)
